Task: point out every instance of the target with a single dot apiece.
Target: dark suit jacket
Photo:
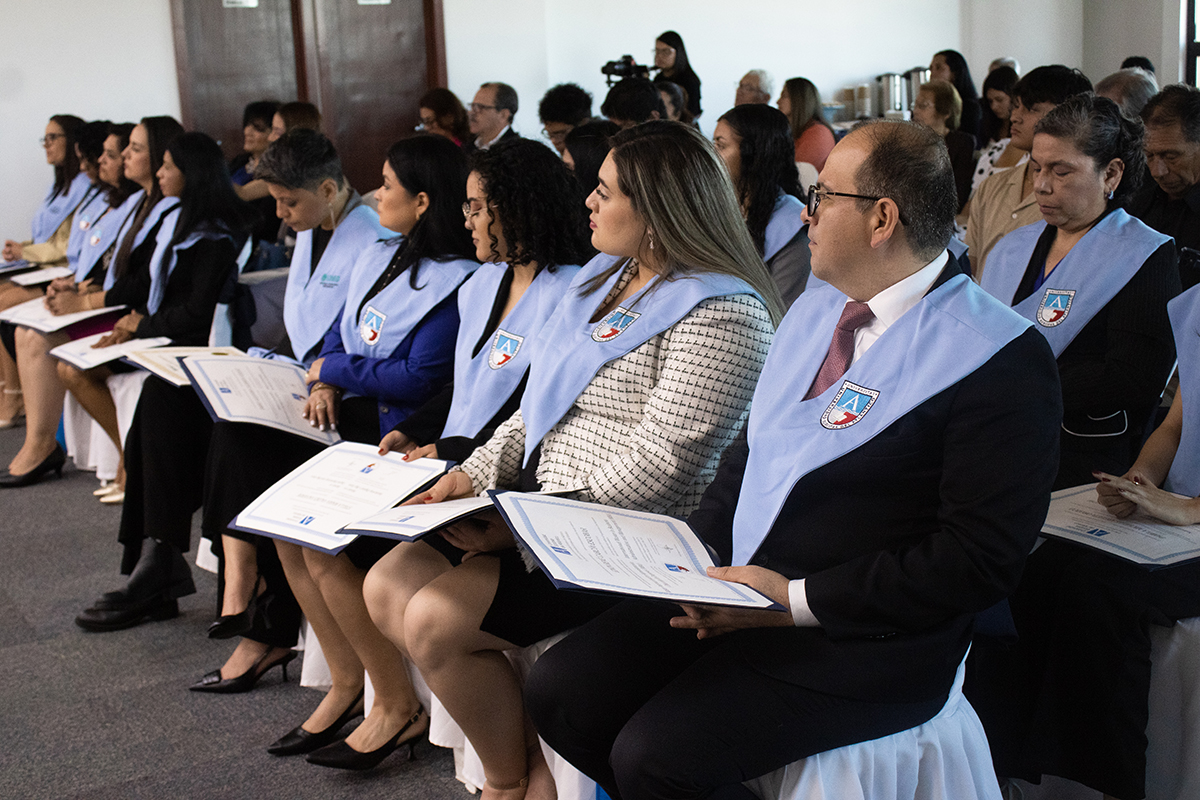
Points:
(905, 539)
(510, 134)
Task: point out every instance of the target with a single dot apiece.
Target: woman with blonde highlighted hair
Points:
(638, 382)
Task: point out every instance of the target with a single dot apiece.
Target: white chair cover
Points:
(87, 443)
(1173, 753)
(946, 758)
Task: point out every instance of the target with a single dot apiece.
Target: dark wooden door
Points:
(228, 57)
(364, 65)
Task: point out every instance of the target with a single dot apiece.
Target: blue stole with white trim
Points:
(93, 206)
(162, 265)
(1097, 267)
(102, 233)
(783, 226)
(952, 331)
(314, 297)
(1184, 311)
(572, 349)
(54, 210)
(483, 382)
(390, 316)
(161, 208)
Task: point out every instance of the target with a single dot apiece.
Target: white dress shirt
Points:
(887, 306)
(485, 145)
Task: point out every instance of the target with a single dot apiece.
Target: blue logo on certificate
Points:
(504, 348)
(614, 324)
(1055, 306)
(851, 403)
(307, 520)
(562, 550)
(299, 397)
(371, 326)
(676, 568)
(367, 469)
(225, 390)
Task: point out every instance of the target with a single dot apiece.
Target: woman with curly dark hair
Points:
(755, 142)
(641, 378)
(442, 113)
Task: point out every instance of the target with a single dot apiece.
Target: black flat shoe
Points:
(340, 755)
(298, 741)
(162, 573)
(51, 463)
(213, 682)
(129, 615)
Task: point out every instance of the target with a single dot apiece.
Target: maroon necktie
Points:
(841, 349)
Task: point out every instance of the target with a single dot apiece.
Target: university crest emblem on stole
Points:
(614, 324)
(849, 406)
(1056, 304)
(371, 326)
(504, 348)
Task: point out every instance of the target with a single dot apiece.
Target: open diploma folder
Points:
(338, 486)
(34, 314)
(163, 362)
(258, 390)
(589, 546)
(1076, 516)
(82, 355)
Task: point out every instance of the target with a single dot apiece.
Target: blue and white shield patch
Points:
(504, 348)
(614, 324)
(1056, 304)
(850, 405)
(371, 326)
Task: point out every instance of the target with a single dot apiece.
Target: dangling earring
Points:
(1110, 194)
(650, 235)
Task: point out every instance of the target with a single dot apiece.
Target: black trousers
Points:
(1070, 698)
(164, 468)
(649, 711)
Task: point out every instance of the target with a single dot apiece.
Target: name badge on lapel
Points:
(371, 326)
(504, 348)
(95, 240)
(84, 223)
(1055, 306)
(614, 324)
(849, 406)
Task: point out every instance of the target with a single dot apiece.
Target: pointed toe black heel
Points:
(340, 755)
(298, 741)
(214, 683)
(51, 463)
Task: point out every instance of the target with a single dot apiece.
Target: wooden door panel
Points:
(228, 57)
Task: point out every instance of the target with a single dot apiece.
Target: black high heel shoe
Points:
(298, 741)
(213, 682)
(228, 626)
(340, 755)
(51, 463)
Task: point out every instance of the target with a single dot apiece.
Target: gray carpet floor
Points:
(99, 716)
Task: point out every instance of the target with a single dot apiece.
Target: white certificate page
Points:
(590, 546)
(1075, 515)
(34, 314)
(409, 523)
(258, 390)
(164, 361)
(41, 276)
(336, 487)
(81, 353)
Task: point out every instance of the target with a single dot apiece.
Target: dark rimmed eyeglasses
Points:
(815, 196)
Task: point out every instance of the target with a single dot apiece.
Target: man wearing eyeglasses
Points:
(896, 471)
(491, 114)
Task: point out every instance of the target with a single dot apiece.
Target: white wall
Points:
(535, 43)
(45, 70)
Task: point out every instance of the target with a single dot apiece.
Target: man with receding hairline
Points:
(895, 472)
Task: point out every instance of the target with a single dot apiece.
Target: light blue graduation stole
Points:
(314, 298)
(54, 210)
(783, 226)
(102, 233)
(92, 207)
(1098, 266)
(162, 265)
(484, 382)
(390, 316)
(572, 349)
(161, 208)
(1184, 311)
(947, 335)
